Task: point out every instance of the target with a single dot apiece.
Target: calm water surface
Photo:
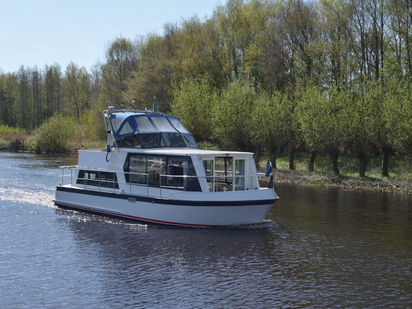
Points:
(323, 248)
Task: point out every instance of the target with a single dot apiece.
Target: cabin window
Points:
(162, 124)
(178, 125)
(176, 168)
(208, 165)
(156, 166)
(223, 174)
(137, 166)
(173, 139)
(239, 174)
(126, 129)
(97, 178)
(172, 172)
(150, 140)
(144, 124)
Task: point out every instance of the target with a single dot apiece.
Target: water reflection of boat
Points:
(153, 171)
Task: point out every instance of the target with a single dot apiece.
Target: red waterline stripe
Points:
(133, 217)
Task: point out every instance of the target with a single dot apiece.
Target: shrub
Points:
(53, 136)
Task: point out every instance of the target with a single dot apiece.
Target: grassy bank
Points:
(12, 139)
(399, 180)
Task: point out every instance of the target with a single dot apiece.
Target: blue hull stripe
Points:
(166, 201)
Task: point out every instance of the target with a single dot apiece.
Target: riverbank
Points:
(343, 182)
(400, 179)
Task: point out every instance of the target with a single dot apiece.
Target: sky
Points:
(40, 32)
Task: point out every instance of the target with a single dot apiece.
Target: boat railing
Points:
(88, 183)
(65, 176)
(151, 181)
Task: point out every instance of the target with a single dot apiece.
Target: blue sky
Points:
(36, 33)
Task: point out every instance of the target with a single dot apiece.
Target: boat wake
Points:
(16, 195)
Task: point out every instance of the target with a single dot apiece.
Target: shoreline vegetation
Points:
(399, 180)
(323, 89)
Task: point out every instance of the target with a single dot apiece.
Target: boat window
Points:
(223, 174)
(239, 174)
(176, 167)
(208, 165)
(116, 122)
(178, 125)
(137, 168)
(97, 178)
(154, 140)
(144, 124)
(150, 140)
(156, 166)
(190, 141)
(162, 124)
(166, 171)
(173, 140)
(126, 129)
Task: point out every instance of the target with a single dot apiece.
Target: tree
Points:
(193, 103)
(323, 119)
(268, 123)
(337, 41)
(52, 90)
(198, 53)
(121, 62)
(390, 110)
(232, 115)
(76, 90)
(155, 74)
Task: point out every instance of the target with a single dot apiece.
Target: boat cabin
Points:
(153, 151)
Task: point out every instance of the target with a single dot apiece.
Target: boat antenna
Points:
(154, 106)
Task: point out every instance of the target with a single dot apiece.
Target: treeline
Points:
(322, 76)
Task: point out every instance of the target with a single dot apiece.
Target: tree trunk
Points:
(273, 153)
(363, 164)
(292, 158)
(334, 155)
(385, 161)
(311, 166)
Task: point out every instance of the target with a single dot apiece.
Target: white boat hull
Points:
(193, 212)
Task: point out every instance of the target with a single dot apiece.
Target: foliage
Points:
(331, 76)
(54, 136)
(232, 116)
(268, 125)
(193, 103)
(324, 119)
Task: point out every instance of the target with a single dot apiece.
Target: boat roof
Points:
(126, 123)
(183, 151)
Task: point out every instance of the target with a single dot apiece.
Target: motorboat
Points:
(153, 171)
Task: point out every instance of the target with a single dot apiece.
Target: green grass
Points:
(9, 135)
(400, 168)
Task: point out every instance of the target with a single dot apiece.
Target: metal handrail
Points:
(213, 179)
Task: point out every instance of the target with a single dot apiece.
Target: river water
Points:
(321, 248)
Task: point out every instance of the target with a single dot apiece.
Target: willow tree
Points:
(324, 118)
(267, 123)
(193, 103)
(390, 110)
(232, 116)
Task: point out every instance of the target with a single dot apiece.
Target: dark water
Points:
(324, 248)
